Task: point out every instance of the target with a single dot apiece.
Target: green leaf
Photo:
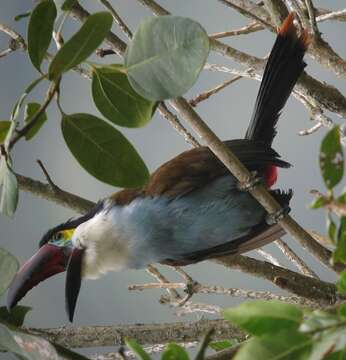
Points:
(328, 342)
(27, 346)
(285, 345)
(222, 345)
(204, 345)
(9, 191)
(40, 31)
(317, 203)
(137, 349)
(68, 5)
(16, 316)
(262, 317)
(174, 352)
(339, 355)
(165, 56)
(82, 44)
(342, 310)
(339, 254)
(8, 268)
(22, 16)
(318, 319)
(331, 229)
(103, 151)
(332, 158)
(342, 198)
(30, 347)
(341, 283)
(4, 127)
(117, 101)
(30, 111)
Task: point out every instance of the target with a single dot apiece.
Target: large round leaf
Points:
(166, 56)
(103, 151)
(82, 44)
(40, 31)
(8, 268)
(116, 100)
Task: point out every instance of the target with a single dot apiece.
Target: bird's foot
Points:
(275, 217)
(251, 182)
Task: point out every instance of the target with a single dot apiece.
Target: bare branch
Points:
(206, 95)
(295, 259)
(248, 29)
(312, 17)
(268, 257)
(321, 292)
(220, 290)
(311, 130)
(332, 15)
(153, 271)
(96, 336)
(117, 18)
(14, 35)
(177, 125)
(250, 10)
(277, 10)
(59, 197)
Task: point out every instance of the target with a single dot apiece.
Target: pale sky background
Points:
(107, 300)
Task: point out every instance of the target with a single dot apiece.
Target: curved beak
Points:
(48, 261)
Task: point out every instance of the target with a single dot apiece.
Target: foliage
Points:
(163, 61)
(118, 91)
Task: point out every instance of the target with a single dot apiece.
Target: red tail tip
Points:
(287, 26)
(288, 29)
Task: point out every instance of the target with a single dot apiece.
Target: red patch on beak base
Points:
(48, 261)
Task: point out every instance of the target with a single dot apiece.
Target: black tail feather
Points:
(284, 66)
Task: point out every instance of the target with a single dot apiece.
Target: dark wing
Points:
(259, 236)
(196, 168)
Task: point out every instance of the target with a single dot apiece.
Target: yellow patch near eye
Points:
(67, 234)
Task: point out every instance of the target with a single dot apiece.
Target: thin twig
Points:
(206, 95)
(312, 17)
(332, 15)
(268, 257)
(310, 130)
(53, 88)
(251, 10)
(14, 35)
(46, 174)
(220, 290)
(117, 18)
(248, 29)
(153, 271)
(295, 259)
(177, 125)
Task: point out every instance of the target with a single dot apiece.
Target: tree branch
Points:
(97, 336)
(322, 292)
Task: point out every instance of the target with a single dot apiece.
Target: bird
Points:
(191, 209)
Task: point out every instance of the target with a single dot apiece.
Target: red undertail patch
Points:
(271, 175)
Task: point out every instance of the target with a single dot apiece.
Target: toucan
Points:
(191, 209)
